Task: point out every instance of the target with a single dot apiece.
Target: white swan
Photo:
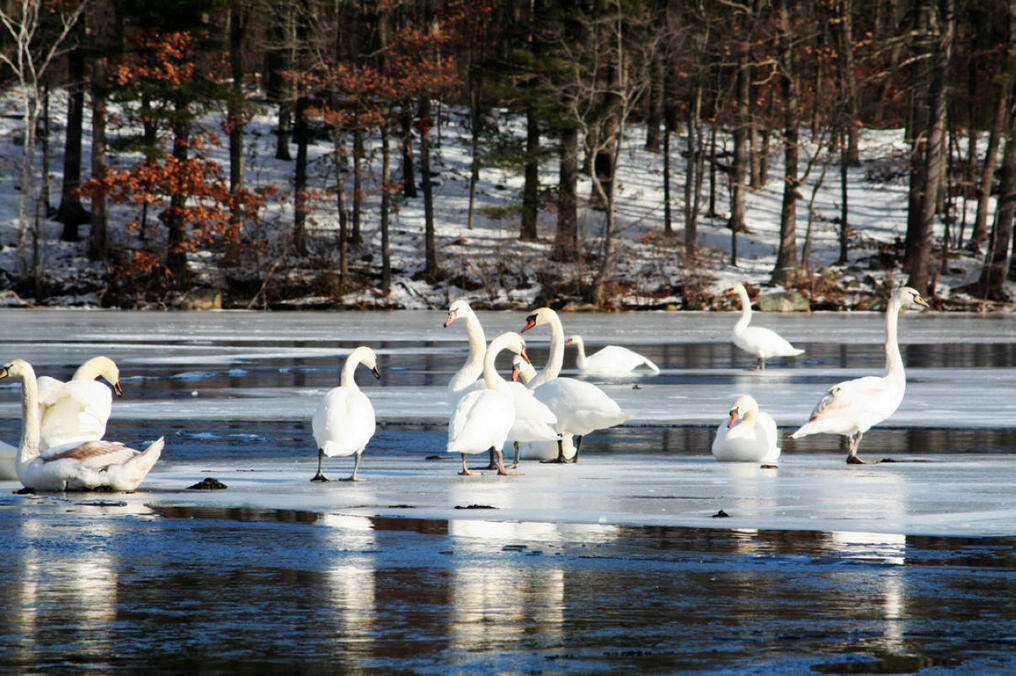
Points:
(344, 420)
(754, 437)
(534, 422)
(762, 342)
(467, 378)
(77, 410)
(580, 407)
(612, 360)
(90, 465)
(852, 407)
(483, 418)
(8, 461)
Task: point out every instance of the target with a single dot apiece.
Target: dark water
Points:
(242, 590)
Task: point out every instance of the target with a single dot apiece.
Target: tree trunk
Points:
(238, 15)
(408, 171)
(300, 179)
(991, 283)
(693, 172)
(786, 258)
(102, 35)
(70, 211)
(566, 237)
(386, 200)
(430, 246)
(739, 171)
(474, 147)
(654, 114)
(849, 82)
(921, 263)
(358, 155)
(987, 180)
(176, 246)
(531, 186)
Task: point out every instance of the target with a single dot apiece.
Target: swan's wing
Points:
(481, 419)
(96, 455)
(50, 389)
(529, 407)
(74, 411)
(344, 421)
(767, 343)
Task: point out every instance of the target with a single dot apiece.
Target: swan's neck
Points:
(555, 360)
(354, 359)
(473, 367)
(745, 319)
(90, 370)
(893, 358)
(491, 378)
(580, 357)
(31, 426)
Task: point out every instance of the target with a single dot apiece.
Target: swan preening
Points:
(344, 420)
(748, 435)
(483, 418)
(77, 410)
(612, 360)
(91, 465)
(852, 407)
(580, 407)
(757, 340)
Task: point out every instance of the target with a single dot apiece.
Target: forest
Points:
(136, 132)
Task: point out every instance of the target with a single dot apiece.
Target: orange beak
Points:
(530, 323)
(733, 417)
(515, 372)
(525, 356)
(118, 389)
(451, 318)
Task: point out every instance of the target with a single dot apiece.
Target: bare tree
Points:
(32, 54)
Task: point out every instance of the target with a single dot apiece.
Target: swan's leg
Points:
(516, 462)
(356, 466)
(465, 470)
(560, 452)
(760, 364)
(500, 466)
(852, 458)
(578, 445)
(319, 476)
(493, 461)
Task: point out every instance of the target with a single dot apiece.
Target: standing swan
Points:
(612, 360)
(77, 410)
(467, 377)
(88, 466)
(483, 418)
(852, 407)
(752, 439)
(762, 342)
(580, 407)
(344, 421)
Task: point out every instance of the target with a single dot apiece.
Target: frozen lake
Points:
(615, 562)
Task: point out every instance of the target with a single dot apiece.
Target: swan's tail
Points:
(127, 476)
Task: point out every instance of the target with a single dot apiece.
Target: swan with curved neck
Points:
(344, 420)
(580, 407)
(468, 376)
(86, 466)
(748, 435)
(757, 340)
(852, 407)
(483, 418)
(77, 410)
(611, 360)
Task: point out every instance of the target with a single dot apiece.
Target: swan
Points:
(483, 418)
(533, 420)
(8, 461)
(612, 360)
(344, 420)
(757, 340)
(852, 407)
(91, 465)
(752, 439)
(467, 378)
(580, 407)
(77, 410)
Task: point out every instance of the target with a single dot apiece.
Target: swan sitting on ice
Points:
(91, 465)
(483, 418)
(757, 340)
(344, 421)
(580, 407)
(612, 360)
(77, 410)
(852, 407)
(749, 435)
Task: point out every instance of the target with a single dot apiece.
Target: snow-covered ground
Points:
(489, 263)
